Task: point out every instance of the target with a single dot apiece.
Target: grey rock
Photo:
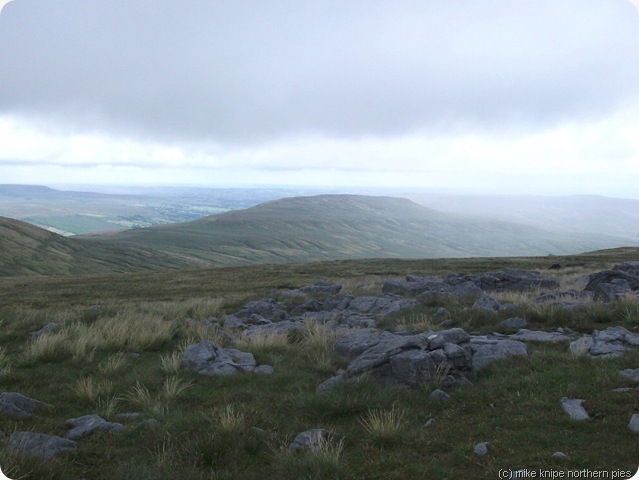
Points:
(513, 323)
(538, 336)
(631, 373)
(486, 303)
(88, 424)
(281, 328)
(49, 327)
(39, 445)
(17, 405)
(313, 439)
(481, 448)
(574, 408)
(410, 360)
(634, 423)
(332, 382)
(514, 280)
(559, 455)
(309, 306)
(622, 390)
(439, 396)
(231, 321)
(355, 343)
(384, 305)
(208, 359)
(322, 287)
(611, 342)
(266, 308)
(487, 350)
(264, 370)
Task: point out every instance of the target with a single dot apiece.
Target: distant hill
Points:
(27, 250)
(593, 214)
(326, 227)
(298, 229)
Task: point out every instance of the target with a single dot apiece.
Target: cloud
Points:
(247, 72)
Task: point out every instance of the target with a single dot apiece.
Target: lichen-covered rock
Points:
(17, 405)
(487, 349)
(313, 439)
(206, 358)
(88, 424)
(611, 342)
(39, 445)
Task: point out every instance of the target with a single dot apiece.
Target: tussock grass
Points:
(90, 389)
(261, 340)
(171, 363)
(321, 463)
(114, 363)
(227, 419)
(384, 425)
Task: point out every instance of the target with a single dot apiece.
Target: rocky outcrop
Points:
(611, 342)
(208, 359)
(610, 285)
(408, 360)
(17, 405)
(89, 424)
(39, 445)
(487, 349)
(313, 440)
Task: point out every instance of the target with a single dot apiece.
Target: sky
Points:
(460, 96)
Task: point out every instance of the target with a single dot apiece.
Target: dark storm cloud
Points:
(243, 71)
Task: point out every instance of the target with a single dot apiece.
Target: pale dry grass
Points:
(383, 424)
(227, 419)
(416, 322)
(52, 346)
(114, 363)
(89, 389)
(5, 363)
(171, 363)
(261, 340)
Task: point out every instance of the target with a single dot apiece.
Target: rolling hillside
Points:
(327, 227)
(299, 229)
(27, 250)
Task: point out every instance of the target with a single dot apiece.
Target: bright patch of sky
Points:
(490, 96)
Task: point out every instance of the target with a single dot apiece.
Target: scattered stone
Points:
(611, 342)
(356, 343)
(39, 445)
(48, 328)
(559, 455)
(631, 373)
(622, 390)
(487, 349)
(276, 328)
(428, 422)
(88, 424)
(538, 336)
(574, 408)
(487, 303)
(610, 285)
(17, 405)
(634, 423)
(206, 358)
(313, 439)
(259, 310)
(321, 287)
(513, 323)
(439, 396)
(413, 360)
(264, 370)
(481, 448)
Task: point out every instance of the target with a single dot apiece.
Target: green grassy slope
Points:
(26, 250)
(328, 227)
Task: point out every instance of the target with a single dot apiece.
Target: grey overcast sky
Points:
(498, 96)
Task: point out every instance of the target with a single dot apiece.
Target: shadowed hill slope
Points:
(27, 250)
(328, 227)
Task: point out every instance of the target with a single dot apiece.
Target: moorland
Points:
(122, 309)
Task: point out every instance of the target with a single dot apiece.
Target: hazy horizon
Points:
(488, 97)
